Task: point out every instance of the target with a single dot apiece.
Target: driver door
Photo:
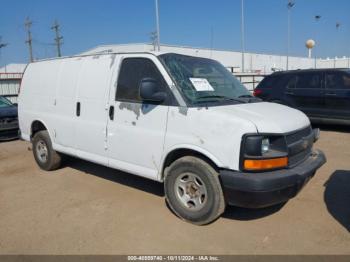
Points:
(136, 129)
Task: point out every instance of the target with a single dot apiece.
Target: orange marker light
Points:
(253, 164)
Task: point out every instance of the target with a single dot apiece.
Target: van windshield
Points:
(203, 80)
(4, 102)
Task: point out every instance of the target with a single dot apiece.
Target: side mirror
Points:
(149, 91)
(15, 104)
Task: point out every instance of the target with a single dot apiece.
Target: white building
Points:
(256, 65)
(10, 80)
(254, 62)
(13, 68)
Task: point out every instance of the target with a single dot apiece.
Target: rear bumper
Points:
(257, 190)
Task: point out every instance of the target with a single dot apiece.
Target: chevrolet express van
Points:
(184, 121)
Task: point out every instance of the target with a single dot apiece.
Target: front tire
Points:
(46, 158)
(193, 190)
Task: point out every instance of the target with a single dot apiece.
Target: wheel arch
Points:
(186, 150)
(37, 126)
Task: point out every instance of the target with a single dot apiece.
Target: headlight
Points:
(263, 152)
(265, 145)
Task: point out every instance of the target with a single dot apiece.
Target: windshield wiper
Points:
(246, 96)
(223, 97)
(213, 96)
(250, 98)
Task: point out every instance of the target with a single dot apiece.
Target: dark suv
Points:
(322, 94)
(8, 120)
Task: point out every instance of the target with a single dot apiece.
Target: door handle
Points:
(289, 93)
(331, 94)
(111, 113)
(77, 112)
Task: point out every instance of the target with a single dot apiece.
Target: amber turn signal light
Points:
(263, 164)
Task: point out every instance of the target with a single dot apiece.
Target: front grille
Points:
(294, 137)
(8, 123)
(8, 134)
(299, 145)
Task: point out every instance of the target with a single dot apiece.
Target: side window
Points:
(337, 81)
(267, 82)
(309, 81)
(346, 81)
(132, 71)
(292, 82)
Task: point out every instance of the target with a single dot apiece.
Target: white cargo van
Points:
(181, 120)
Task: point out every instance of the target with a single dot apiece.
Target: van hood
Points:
(268, 117)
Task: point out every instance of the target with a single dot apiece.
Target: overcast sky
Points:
(89, 23)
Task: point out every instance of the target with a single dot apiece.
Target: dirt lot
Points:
(88, 209)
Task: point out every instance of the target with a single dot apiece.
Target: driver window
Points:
(132, 71)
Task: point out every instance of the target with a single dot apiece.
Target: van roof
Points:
(155, 53)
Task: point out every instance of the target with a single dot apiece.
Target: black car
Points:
(322, 94)
(8, 120)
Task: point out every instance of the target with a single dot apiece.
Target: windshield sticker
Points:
(201, 84)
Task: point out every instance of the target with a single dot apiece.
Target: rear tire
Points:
(46, 158)
(193, 190)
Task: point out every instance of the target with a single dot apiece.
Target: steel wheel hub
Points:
(41, 151)
(191, 191)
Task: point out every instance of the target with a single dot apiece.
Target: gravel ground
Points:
(85, 208)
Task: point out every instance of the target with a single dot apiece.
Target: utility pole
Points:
(28, 24)
(157, 21)
(58, 39)
(2, 45)
(289, 6)
(242, 35)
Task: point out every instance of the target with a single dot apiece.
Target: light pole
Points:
(337, 26)
(211, 41)
(317, 19)
(242, 35)
(157, 21)
(289, 6)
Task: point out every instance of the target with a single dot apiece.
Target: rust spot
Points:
(136, 108)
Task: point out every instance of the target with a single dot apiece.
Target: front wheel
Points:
(193, 190)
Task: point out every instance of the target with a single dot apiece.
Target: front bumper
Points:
(7, 134)
(257, 190)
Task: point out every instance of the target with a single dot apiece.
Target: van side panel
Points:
(64, 124)
(37, 96)
(93, 92)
